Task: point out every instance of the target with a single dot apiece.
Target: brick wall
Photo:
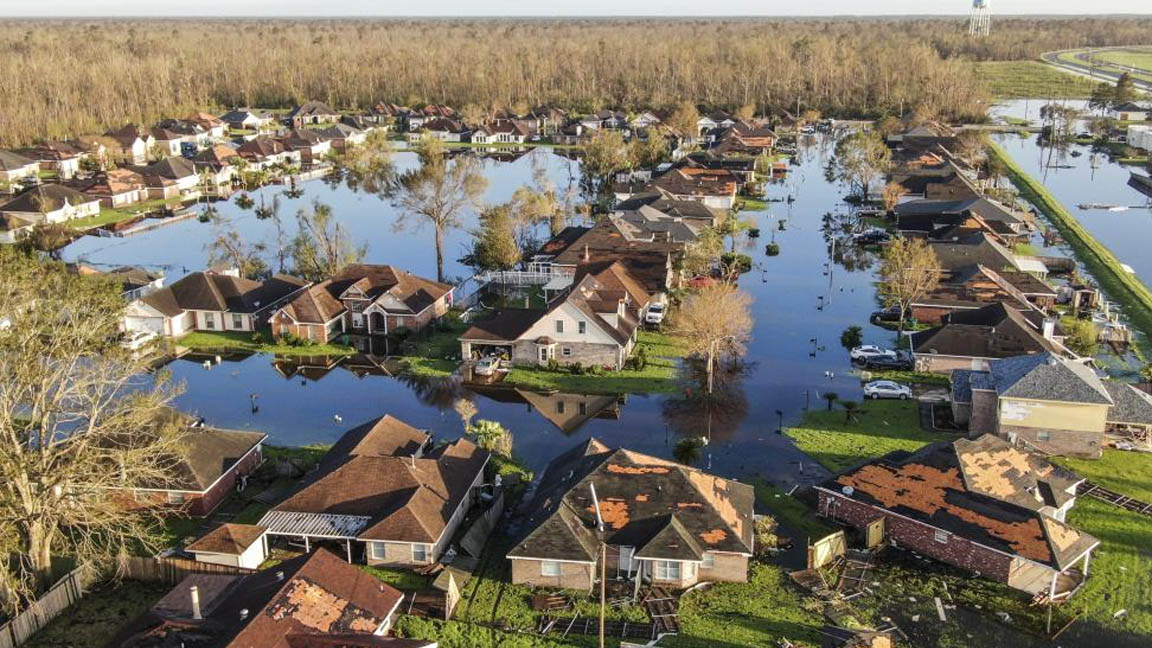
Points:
(204, 504)
(929, 314)
(920, 537)
(1071, 443)
(983, 415)
(577, 576)
(398, 554)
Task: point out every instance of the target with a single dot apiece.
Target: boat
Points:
(1141, 182)
(1105, 206)
(1118, 208)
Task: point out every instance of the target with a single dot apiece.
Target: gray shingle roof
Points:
(1046, 376)
(1132, 405)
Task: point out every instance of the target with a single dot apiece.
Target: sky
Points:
(223, 8)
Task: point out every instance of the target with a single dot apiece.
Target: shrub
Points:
(772, 249)
(553, 364)
(737, 261)
(257, 337)
(640, 360)
(576, 369)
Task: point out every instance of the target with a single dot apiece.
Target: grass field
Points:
(97, 617)
(882, 426)
(1141, 59)
(242, 341)
(1030, 79)
(661, 374)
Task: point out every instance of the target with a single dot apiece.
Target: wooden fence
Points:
(170, 570)
(60, 597)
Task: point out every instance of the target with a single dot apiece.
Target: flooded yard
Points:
(802, 304)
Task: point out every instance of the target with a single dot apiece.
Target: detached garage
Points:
(235, 545)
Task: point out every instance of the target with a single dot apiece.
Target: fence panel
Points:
(69, 589)
(171, 570)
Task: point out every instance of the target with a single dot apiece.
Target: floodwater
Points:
(801, 307)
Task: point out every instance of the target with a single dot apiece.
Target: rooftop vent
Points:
(243, 614)
(848, 490)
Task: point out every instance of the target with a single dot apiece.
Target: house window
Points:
(283, 330)
(376, 550)
(941, 536)
(559, 407)
(419, 553)
(176, 498)
(549, 568)
(559, 326)
(709, 561)
(567, 351)
(582, 408)
(582, 327)
(1044, 436)
(210, 320)
(667, 570)
(237, 321)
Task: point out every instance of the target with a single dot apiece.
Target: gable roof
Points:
(208, 454)
(993, 331)
(993, 467)
(315, 305)
(972, 249)
(45, 198)
(173, 168)
(10, 161)
(312, 109)
(304, 597)
(504, 325)
(228, 538)
(929, 486)
(384, 436)
(1131, 405)
(645, 502)
(209, 291)
(396, 290)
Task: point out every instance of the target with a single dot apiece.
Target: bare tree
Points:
(893, 192)
(229, 249)
(438, 192)
(908, 271)
(321, 246)
(715, 321)
(684, 121)
(78, 422)
(860, 158)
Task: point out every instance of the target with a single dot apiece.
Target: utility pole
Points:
(603, 558)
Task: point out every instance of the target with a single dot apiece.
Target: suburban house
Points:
(646, 119)
(171, 177)
(944, 219)
(1049, 403)
(440, 128)
(187, 133)
(977, 286)
(310, 601)
(263, 152)
(379, 489)
(363, 298)
(169, 142)
(50, 203)
(210, 301)
(979, 504)
(418, 118)
(135, 282)
(661, 522)
(14, 166)
(244, 119)
(668, 204)
(592, 322)
(234, 545)
(216, 168)
(650, 224)
(934, 178)
(743, 138)
(1129, 111)
(115, 188)
(134, 144)
(309, 143)
(53, 155)
(311, 113)
(650, 259)
(982, 248)
(210, 124)
(970, 339)
(715, 188)
(342, 136)
(213, 463)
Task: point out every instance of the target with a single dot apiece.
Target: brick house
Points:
(1047, 402)
(982, 505)
(312, 113)
(664, 523)
(210, 301)
(977, 286)
(377, 488)
(215, 460)
(937, 219)
(593, 322)
(304, 602)
(363, 298)
(970, 339)
(716, 188)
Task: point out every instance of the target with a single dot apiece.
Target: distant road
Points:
(1083, 67)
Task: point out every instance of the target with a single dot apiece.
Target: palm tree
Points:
(851, 411)
(831, 397)
(687, 451)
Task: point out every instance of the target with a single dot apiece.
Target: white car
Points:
(486, 366)
(137, 339)
(870, 351)
(887, 389)
(655, 314)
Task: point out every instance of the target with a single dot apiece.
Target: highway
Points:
(1085, 68)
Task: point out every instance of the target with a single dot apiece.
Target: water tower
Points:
(980, 22)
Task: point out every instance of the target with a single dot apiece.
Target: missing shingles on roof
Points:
(315, 607)
(925, 488)
(1062, 536)
(642, 497)
(990, 472)
(614, 512)
(690, 504)
(715, 536)
(637, 470)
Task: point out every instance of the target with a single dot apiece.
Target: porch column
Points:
(1087, 556)
(307, 545)
(639, 577)
(367, 320)
(348, 545)
(1052, 587)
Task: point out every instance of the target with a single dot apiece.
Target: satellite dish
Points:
(848, 490)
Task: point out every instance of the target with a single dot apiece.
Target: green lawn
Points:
(660, 375)
(883, 426)
(789, 511)
(1141, 59)
(1027, 79)
(757, 613)
(242, 341)
(96, 618)
(753, 204)
(909, 377)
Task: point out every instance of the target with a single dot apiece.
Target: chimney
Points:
(1049, 328)
(587, 256)
(194, 592)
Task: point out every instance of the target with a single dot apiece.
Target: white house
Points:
(235, 545)
(14, 166)
(51, 203)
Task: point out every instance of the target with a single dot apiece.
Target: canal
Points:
(801, 305)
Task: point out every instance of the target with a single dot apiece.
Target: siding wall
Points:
(577, 576)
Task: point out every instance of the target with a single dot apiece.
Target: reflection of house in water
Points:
(565, 411)
(310, 367)
(363, 364)
(223, 356)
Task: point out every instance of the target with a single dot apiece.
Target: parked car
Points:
(870, 351)
(886, 315)
(872, 237)
(895, 362)
(655, 313)
(486, 366)
(887, 389)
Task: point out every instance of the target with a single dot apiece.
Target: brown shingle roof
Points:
(394, 289)
(316, 305)
(228, 538)
(209, 453)
(503, 325)
(217, 292)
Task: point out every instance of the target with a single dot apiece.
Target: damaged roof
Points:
(991, 466)
(930, 486)
(660, 507)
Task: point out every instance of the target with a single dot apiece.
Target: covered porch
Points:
(307, 530)
(1047, 584)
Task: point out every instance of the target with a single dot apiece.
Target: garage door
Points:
(145, 324)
